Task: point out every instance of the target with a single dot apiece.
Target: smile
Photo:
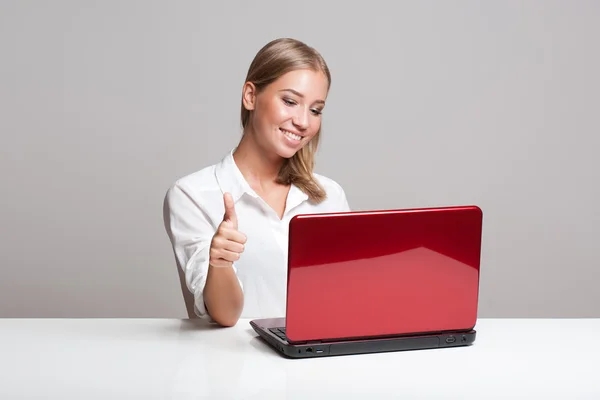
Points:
(291, 135)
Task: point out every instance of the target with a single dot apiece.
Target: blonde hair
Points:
(275, 59)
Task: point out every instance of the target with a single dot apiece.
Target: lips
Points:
(291, 135)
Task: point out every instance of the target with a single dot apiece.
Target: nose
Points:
(301, 117)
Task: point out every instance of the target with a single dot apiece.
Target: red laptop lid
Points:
(378, 273)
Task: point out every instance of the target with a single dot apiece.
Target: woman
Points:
(228, 223)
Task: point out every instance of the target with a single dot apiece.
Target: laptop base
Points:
(358, 346)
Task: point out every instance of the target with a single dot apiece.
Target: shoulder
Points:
(331, 187)
(197, 190)
(197, 182)
(336, 196)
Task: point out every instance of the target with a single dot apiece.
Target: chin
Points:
(287, 154)
(284, 151)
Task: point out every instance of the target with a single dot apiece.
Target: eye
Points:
(316, 111)
(289, 102)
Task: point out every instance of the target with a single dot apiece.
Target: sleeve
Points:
(190, 231)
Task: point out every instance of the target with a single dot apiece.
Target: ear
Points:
(249, 96)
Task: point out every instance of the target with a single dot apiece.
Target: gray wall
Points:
(103, 104)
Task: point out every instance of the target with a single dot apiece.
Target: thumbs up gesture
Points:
(227, 244)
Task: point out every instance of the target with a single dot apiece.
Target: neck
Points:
(257, 167)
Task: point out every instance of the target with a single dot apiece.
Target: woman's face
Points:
(287, 113)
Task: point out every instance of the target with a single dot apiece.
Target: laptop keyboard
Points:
(279, 332)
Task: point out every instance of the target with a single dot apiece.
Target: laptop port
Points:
(318, 351)
(450, 339)
(309, 349)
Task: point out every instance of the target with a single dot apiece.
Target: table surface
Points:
(184, 359)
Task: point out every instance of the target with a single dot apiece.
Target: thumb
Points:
(230, 214)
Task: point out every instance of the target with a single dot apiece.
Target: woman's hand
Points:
(227, 244)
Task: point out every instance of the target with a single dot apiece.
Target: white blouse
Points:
(194, 209)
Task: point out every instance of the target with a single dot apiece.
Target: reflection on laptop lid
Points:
(373, 281)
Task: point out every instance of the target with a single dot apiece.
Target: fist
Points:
(227, 244)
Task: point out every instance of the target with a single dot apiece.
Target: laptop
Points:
(377, 281)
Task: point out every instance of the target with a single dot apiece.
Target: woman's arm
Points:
(223, 295)
(218, 293)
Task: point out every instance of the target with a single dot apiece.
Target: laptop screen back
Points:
(383, 273)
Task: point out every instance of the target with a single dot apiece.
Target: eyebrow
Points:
(300, 94)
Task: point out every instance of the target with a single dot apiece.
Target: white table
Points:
(175, 359)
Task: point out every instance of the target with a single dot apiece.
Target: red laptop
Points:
(375, 281)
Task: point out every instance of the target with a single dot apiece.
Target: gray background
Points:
(104, 104)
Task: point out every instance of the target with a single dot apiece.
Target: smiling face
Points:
(286, 114)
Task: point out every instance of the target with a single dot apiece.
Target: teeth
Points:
(291, 135)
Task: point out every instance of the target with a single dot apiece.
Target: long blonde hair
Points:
(275, 59)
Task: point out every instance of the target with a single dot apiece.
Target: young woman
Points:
(228, 223)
